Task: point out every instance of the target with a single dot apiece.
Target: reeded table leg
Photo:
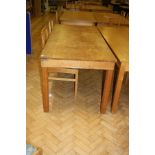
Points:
(106, 91)
(117, 89)
(44, 74)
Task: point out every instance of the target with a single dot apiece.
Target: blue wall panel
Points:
(28, 34)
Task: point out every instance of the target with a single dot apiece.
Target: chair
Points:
(44, 37)
(65, 71)
(50, 26)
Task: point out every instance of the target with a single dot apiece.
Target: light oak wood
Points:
(75, 72)
(76, 43)
(120, 48)
(45, 89)
(88, 64)
(110, 19)
(63, 70)
(66, 71)
(76, 76)
(79, 47)
(107, 87)
(88, 7)
(61, 79)
(77, 18)
(44, 35)
(50, 26)
(117, 88)
(97, 8)
(68, 128)
(80, 23)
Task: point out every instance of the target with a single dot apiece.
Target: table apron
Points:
(101, 65)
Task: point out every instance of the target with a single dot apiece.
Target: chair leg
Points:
(76, 84)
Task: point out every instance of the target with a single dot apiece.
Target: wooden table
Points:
(80, 47)
(88, 7)
(110, 18)
(91, 3)
(118, 40)
(97, 8)
(77, 18)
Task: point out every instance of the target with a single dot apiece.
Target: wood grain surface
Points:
(118, 40)
(109, 18)
(80, 16)
(77, 43)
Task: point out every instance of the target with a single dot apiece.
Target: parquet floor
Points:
(72, 127)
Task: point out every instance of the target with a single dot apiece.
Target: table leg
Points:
(106, 91)
(44, 74)
(117, 89)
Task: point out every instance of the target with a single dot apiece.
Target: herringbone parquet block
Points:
(72, 127)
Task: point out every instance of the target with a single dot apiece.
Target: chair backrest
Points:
(44, 35)
(50, 26)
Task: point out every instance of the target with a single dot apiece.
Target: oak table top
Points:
(103, 17)
(78, 17)
(91, 3)
(89, 7)
(77, 43)
(118, 40)
(97, 8)
(81, 47)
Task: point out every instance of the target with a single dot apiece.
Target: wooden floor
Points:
(73, 127)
